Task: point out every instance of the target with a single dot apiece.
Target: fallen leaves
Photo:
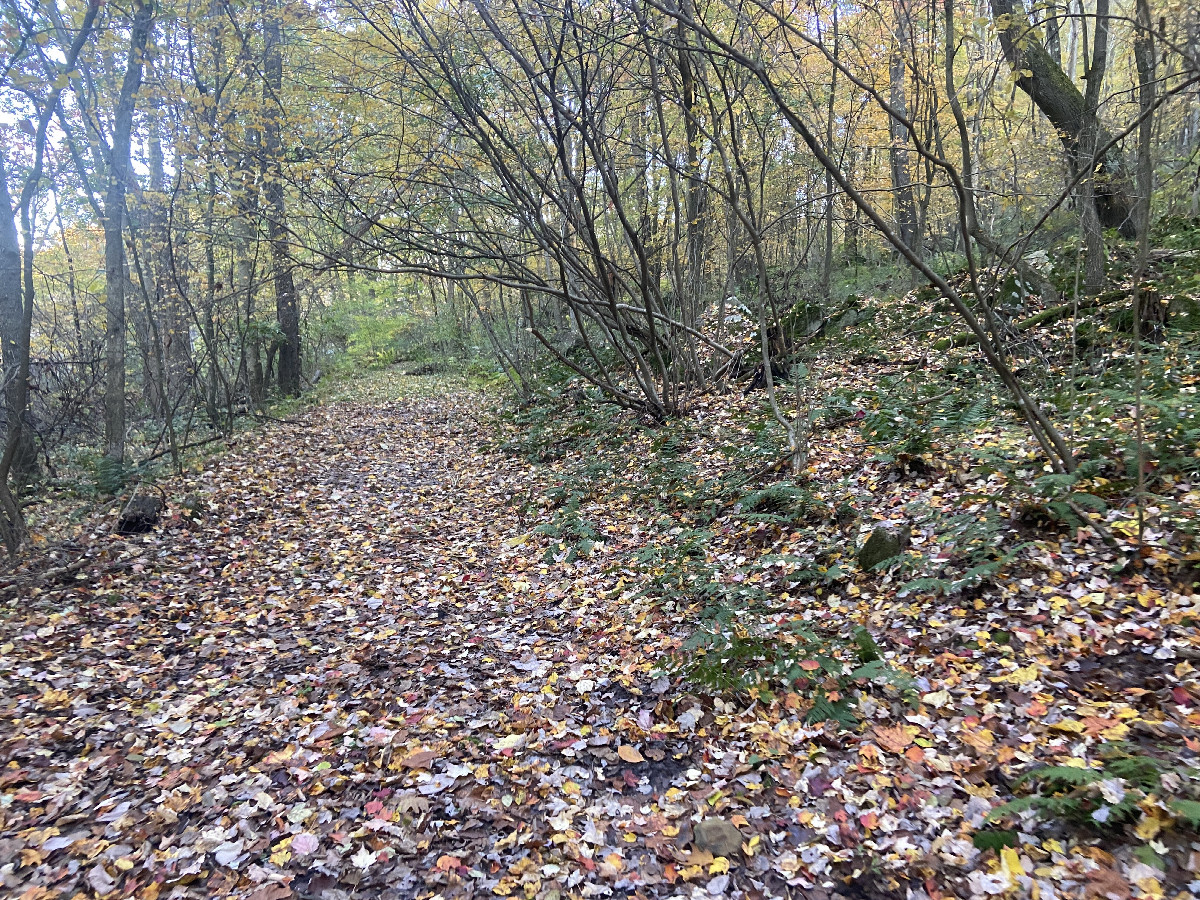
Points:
(419, 760)
(362, 675)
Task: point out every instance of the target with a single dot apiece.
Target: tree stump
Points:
(139, 515)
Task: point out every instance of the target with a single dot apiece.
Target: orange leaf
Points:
(894, 739)
(981, 740)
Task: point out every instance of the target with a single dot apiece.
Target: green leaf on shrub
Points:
(994, 840)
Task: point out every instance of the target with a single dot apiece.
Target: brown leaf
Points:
(419, 760)
(895, 739)
(630, 754)
(272, 891)
(1107, 884)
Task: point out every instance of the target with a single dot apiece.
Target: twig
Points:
(191, 446)
(1103, 533)
(55, 574)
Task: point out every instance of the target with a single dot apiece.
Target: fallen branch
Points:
(1045, 317)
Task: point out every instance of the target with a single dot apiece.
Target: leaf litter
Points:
(365, 673)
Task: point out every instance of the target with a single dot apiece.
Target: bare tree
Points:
(115, 272)
(16, 360)
(287, 304)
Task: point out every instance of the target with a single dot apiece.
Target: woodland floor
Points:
(355, 676)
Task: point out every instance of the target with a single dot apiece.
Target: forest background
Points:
(215, 205)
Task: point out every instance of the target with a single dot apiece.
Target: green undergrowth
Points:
(1122, 785)
(938, 421)
(742, 640)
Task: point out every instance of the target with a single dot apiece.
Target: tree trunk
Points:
(1090, 185)
(902, 190)
(170, 281)
(694, 188)
(1053, 32)
(1149, 312)
(11, 330)
(114, 234)
(827, 263)
(1043, 79)
(287, 305)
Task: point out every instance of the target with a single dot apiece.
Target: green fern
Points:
(1070, 793)
(1059, 777)
(994, 840)
(1188, 811)
(1012, 807)
(868, 650)
(825, 710)
(111, 475)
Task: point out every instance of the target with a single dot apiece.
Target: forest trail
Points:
(348, 677)
(364, 672)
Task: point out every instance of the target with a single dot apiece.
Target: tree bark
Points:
(1053, 92)
(693, 185)
(902, 189)
(1053, 32)
(11, 329)
(114, 235)
(287, 305)
(1090, 185)
(827, 263)
(1147, 310)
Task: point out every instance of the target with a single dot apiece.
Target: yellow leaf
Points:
(1010, 864)
(981, 740)
(54, 698)
(1019, 676)
(1149, 827)
(719, 866)
(895, 740)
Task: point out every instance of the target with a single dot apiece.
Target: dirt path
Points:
(352, 677)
